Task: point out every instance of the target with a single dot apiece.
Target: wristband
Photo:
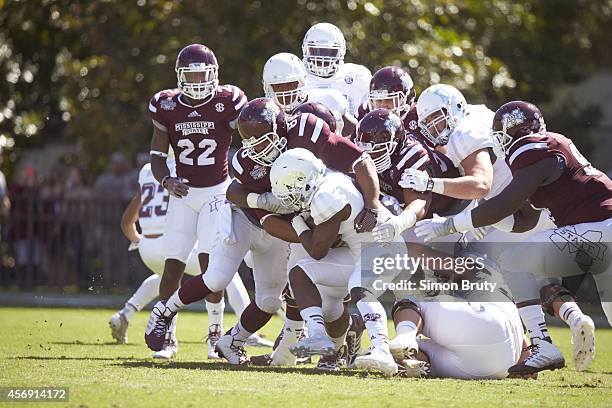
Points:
(163, 182)
(299, 225)
(406, 219)
(463, 221)
(158, 153)
(438, 186)
(251, 200)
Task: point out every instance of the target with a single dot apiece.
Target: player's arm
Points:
(350, 124)
(475, 184)
(526, 218)
(237, 194)
(160, 143)
(280, 228)
(367, 180)
(129, 218)
(417, 203)
(321, 238)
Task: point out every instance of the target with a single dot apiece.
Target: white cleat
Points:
(232, 350)
(317, 345)
(404, 346)
(377, 360)
(168, 352)
(214, 333)
(282, 356)
(544, 356)
(255, 340)
(412, 368)
(118, 324)
(583, 341)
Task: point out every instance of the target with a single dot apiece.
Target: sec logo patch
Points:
(219, 107)
(348, 79)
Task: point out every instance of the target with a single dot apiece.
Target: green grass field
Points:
(73, 348)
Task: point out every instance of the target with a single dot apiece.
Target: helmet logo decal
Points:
(514, 118)
(270, 112)
(392, 123)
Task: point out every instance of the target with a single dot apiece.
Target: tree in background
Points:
(83, 72)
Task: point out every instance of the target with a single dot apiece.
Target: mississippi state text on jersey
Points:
(200, 135)
(581, 194)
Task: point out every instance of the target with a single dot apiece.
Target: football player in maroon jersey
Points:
(551, 174)
(197, 119)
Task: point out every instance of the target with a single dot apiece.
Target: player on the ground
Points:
(284, 81)
(551, 174)
(148, 207)
(323, 50)
(265, 135)
(197, 119)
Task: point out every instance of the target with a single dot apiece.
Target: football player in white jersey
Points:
(323, 49)
(463, 132)
(284, 81)
(148, 207)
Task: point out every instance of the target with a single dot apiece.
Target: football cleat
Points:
(317, 345)
(583, 342)
(214, 333)
(412, 368)
(334, 362)
(232, 350)
(404, 346)
(264, 360)
(168, 352)
(377, 360)
(118, 324)
(353, 338)
(158, 326)
(544, 356)
(255, 340)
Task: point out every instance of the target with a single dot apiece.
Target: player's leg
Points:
(270, 275)
(559, 301)
(337, 323)
(224, 261)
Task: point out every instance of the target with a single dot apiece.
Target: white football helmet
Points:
(285, 68)
(295, 176)
(323, 49)
(440, 104)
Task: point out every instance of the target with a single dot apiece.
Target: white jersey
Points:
(335, 192)
(474, 133)
(334, 101)
(154, 200)
(351, 80)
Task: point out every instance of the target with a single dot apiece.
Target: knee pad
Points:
(217, 280)
(332, 311)
(268, 304)
(549, 293)
(404, 304)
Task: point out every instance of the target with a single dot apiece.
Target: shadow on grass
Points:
(194, 365)
(49, 358)
(92, 343)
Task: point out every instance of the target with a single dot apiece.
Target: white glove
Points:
(392, 228)
(434, 228)
(416, 180)
(269, 202)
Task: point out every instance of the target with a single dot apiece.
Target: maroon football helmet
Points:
(262, 127)
(320, 111)
(514, 120)
(380, 133)
(391, 88)
(197, 71)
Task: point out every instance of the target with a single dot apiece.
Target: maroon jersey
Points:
(414, 155)
(312, 133)
(254, 177)
(200, 135)
(581, 194)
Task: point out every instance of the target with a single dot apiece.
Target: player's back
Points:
(334, 193)
(153, 201)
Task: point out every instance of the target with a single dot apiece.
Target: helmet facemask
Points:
(295, 189)
(380, 153)
(198, 81)
(323, 60)
(429, 128)
(266, 156)
(290, 99)
(502, 141)
(399, 101)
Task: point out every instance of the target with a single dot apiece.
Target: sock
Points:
(533, 319)
(239, 333)
(408, 329)
(237, 295)
(569, 311)
(128, 310)
(313, 317)
(174, 303)
(292, 330)
(194, 289)
(375, 319)
(215, 313)
(145, 294)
